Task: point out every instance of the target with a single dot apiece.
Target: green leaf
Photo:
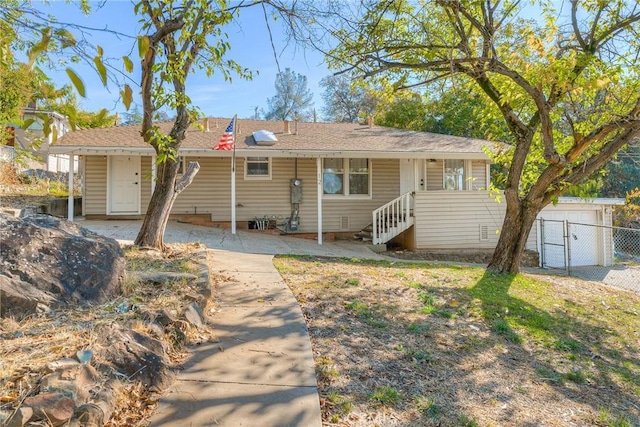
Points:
(128, 64)
(127, 96)
(102, 70)
(100, 51)
(40, 47)
(143, 45)
(27, 123)
(54, 134)
(77, 82)
(67, 39)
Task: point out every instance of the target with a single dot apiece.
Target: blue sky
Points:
(250, 47)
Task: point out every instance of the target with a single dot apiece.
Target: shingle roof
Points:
(310, 137)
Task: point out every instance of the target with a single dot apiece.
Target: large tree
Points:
(539, 77)
(292, 97)
(346, 100)
(180, 37)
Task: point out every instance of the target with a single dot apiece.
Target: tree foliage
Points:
(346, 100)
(622, 174)
(292, 97)
(46, 42)
(566, 88)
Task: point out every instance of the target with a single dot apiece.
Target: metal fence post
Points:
(567, 243)
(542, 244)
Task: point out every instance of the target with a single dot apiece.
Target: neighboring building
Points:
(428, 190)
(33, 140)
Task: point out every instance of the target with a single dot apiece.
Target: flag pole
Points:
(233, 178)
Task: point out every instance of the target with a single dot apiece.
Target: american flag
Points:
(226, 140)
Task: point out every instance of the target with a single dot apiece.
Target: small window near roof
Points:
(257, 168)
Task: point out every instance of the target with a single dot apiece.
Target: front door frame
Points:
(110, 190)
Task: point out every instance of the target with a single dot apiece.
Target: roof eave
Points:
(207, 152)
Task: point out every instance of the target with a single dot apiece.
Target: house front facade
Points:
(428, 190)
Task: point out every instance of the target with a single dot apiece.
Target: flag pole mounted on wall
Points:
(227, 143)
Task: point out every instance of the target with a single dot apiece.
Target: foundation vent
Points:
(344, 223)
(484, 232)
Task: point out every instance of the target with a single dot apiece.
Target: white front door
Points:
(124, 185)
(412, 176)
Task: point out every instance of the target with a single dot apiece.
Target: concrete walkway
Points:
(242, 241)
(261, 372)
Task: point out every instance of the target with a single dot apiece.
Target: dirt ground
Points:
(397, 344)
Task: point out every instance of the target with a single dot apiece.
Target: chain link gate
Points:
(600, 253)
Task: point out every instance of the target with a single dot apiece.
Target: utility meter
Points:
(296, 190)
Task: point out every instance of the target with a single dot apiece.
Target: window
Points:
(454, 175)
(346, 177)
(257, 168)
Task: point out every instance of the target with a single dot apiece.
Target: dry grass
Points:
(411, 344)
(29, 344)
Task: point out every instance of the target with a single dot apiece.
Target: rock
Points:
(194, 315)
(162, 317)
(75, 382)
(60, 258)
(62, 364)
(18, 298)
(19, 418)
(162, 277)
(53, 407)
(87, 415)
(138, 356)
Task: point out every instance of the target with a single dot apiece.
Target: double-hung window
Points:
(454, 178)
(257, 168)
(346, 177)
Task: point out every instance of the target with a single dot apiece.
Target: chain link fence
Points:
(592, 252)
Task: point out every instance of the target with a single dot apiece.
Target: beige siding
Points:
(210, 192)
(454, 219)
(145, 182)
(385, 187)
(95, 183)
(478, 175)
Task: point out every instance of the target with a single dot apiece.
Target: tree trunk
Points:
(151, 233)
(515, 231)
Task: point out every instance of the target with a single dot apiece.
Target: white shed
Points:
(575, 231)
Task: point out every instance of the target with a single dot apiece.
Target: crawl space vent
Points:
(344, 223)
(484, 232)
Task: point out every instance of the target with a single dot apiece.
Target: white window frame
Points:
(466, 174)
(257, 177)
(345, 180)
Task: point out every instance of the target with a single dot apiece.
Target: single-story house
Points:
(426, 189)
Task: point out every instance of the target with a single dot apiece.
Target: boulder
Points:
(136, 355)
(18, 298)
(60, 258)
